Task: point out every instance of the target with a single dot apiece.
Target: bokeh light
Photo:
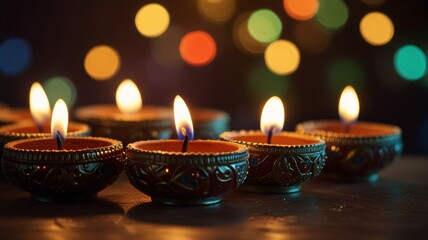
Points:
(217, 10)
(152, 20)
(15, 56)
(264, 25)
(165, 50)
(102, 62)
(60, 87)
(332, 14)
(198, 48)
(301, 9)
(410, 62)
(343, 72)
(311, 37)
(376, 28)
(282, 57)
(264, 84)
(242, 37)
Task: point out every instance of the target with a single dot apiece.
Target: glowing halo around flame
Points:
(128, 97)
(273, 116)
(39, 104)
(349, 106)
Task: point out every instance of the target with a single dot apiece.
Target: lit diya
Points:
(129, 121)
(62, 168)
(186, 171)
(356, 151)
(279, 161)
(39, 127)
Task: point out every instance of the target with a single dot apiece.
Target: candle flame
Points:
(59, 123)
(39, 104)
(273, 116)
(183, 120)
(349, 106)
(128, 97)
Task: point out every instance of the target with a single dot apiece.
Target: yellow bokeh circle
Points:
(376, 28)
(102, 62)
(152, 20)
(282, 57)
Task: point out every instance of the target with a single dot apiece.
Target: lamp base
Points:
(270, 189)
(188, 202)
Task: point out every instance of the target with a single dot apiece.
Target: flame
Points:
(128, 98)
(349, 106)
(39, 104)
(273, 116)
(183, 120)
(59, 123)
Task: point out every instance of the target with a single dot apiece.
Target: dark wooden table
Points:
(396, 207)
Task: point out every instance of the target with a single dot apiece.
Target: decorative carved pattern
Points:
(74, 174)
(63, 179)
(241, 172)
(185, 181)
(354, 157)
(224, 173)
(284, 170)
(9, 136)
(188, 178)
(361, 160)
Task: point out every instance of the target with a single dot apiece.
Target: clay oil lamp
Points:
(62, 168)
(128, 120)
(39, 126)
(186, 171)
(356, 151)
(279, 161)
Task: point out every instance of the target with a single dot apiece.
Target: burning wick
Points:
(186, 140)
(269, 136)
(183, 122)
(59, 140)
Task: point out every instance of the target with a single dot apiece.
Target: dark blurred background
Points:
(48, 41)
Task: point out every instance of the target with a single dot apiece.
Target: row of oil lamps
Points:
(65, 164)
